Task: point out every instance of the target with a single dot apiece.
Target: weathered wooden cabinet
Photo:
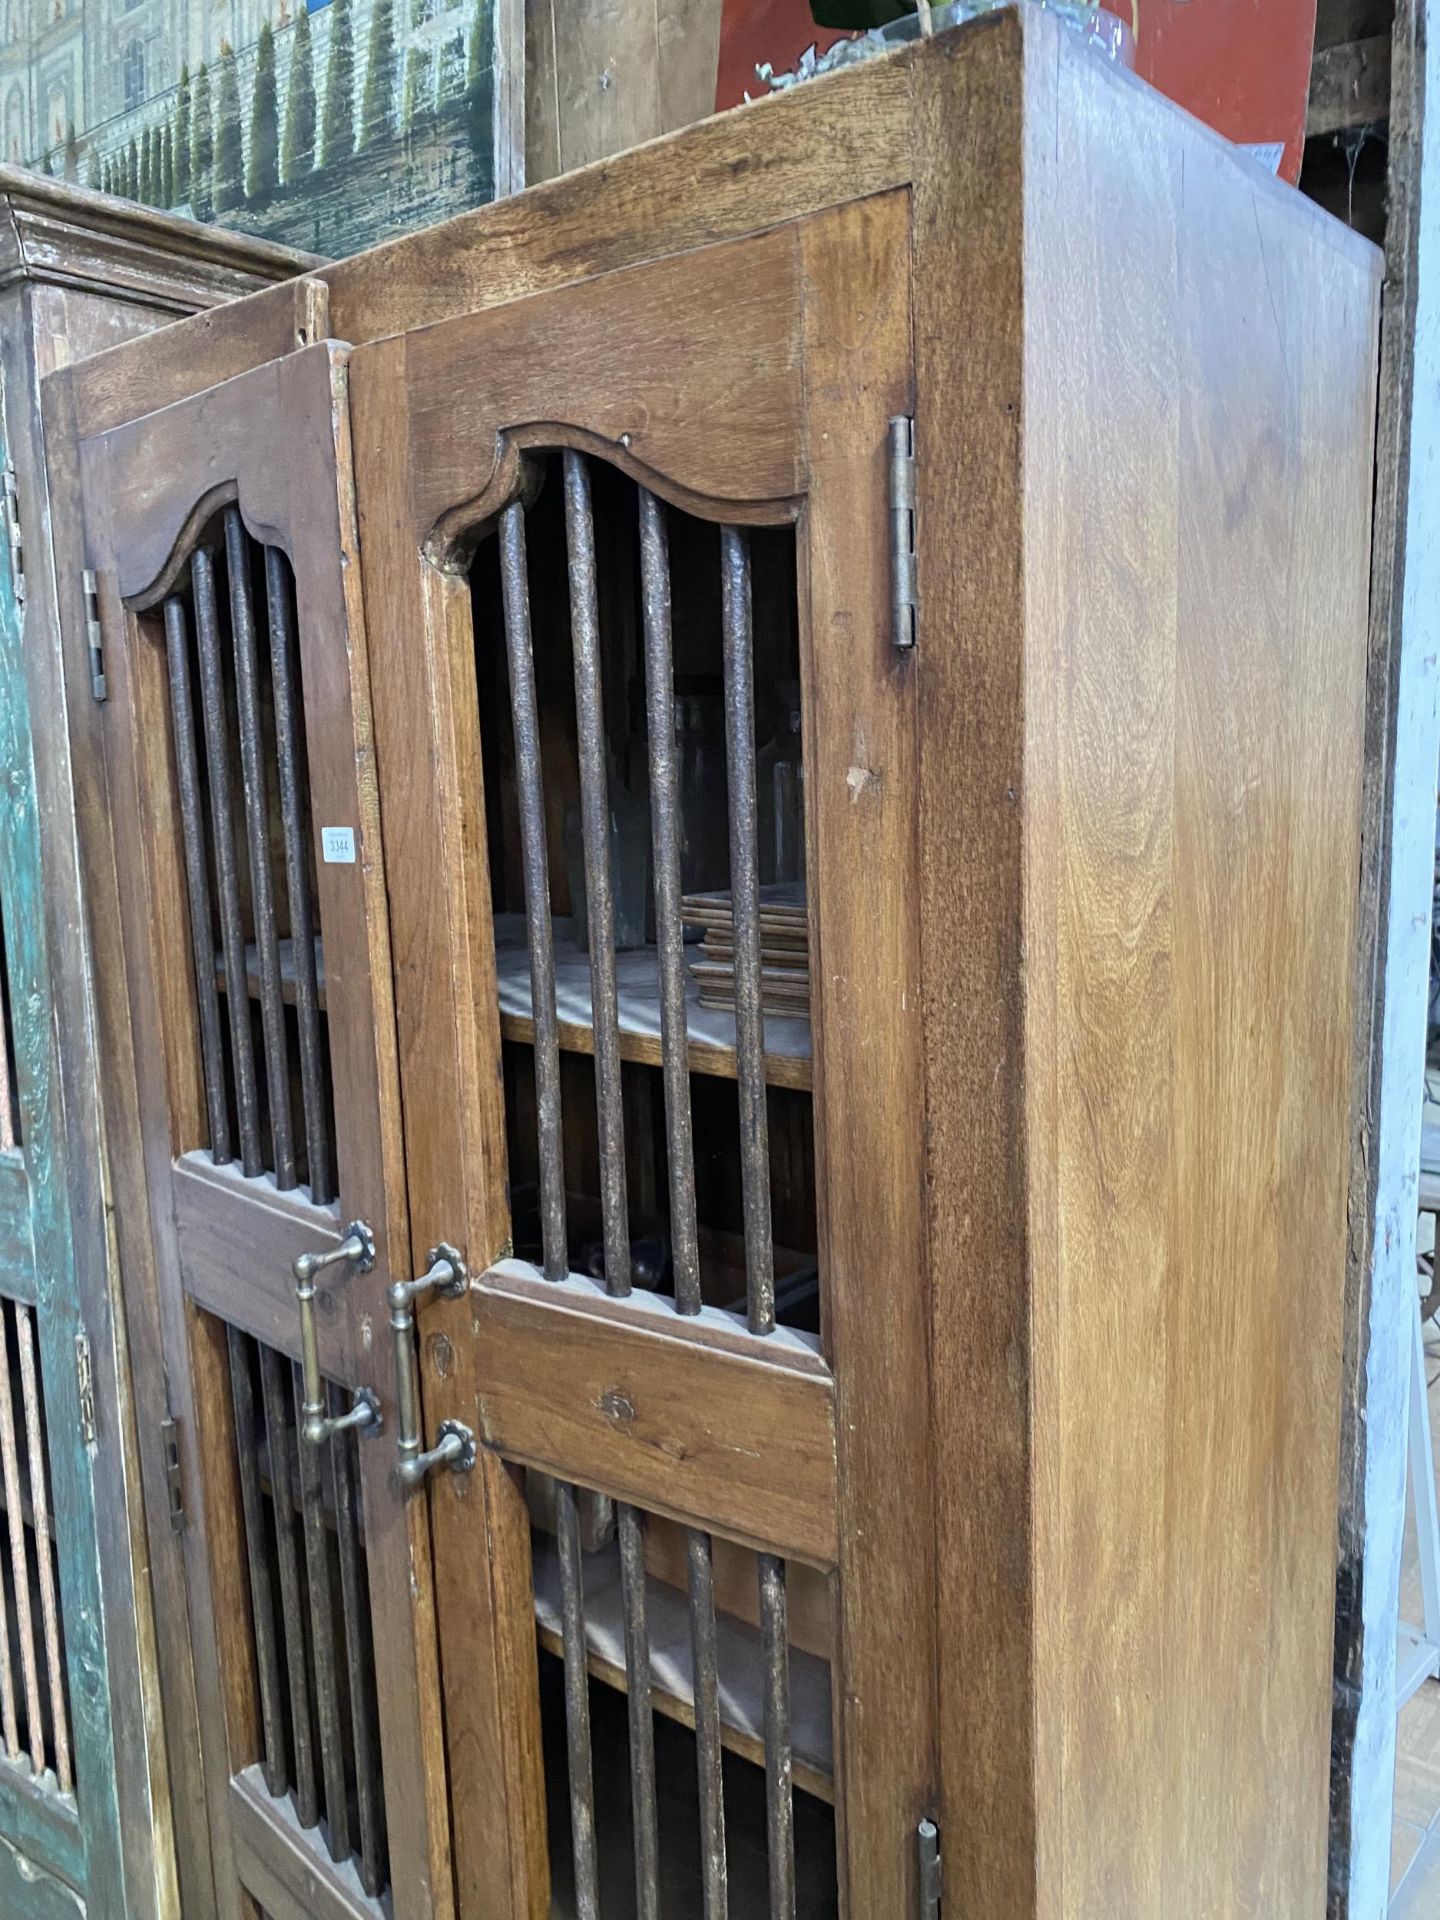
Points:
(84, 1820)
(670, 1426)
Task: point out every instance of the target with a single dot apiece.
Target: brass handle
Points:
(356, 1250)
(455, 1443)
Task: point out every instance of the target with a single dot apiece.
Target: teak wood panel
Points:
(1144, 702)
(140, 521)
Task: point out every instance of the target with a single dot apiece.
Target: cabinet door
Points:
(232, 646)
(627, 567)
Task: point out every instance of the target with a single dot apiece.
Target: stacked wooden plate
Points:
(784, 949)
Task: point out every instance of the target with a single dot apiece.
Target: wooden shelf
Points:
(672, 1670)
(287, 971)
(712, 1033)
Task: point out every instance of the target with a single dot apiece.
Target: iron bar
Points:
(267, 1660)
(577, 1704)
(282, 1497)
(294, 823)
(197, 878)
(322, 1648)
(257, 832)
(40, 1508)
(20, 1568)
(745, 904)
(359, 1665)
(708, 1749)
(599, 881)
(642, 1715)
(669, 929)
(232, 931)
(779, 1752)
(515, 587)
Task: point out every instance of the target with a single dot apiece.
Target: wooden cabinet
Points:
(84, 1785)
(842, 1378)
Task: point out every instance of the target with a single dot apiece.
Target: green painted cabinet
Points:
(85, 1820)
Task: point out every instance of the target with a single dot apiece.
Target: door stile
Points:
(428, 748)
(860, 742)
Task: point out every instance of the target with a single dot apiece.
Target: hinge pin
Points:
(85, 1383)
(17, 544)
(93, 633)
(928, 1839)
(904, 584)
(174, 1486)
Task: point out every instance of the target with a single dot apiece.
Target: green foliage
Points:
(147, 169)
(479, 53)
(95, 172)
(72, 152)
(297, 156)
(229, 147)
(262, 175)
(418, 83)
(181, 185)
(132, 170)
(202, 149)
(337, 130)
(375, 110)
(167, 167)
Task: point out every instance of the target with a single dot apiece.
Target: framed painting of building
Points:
(327, 124)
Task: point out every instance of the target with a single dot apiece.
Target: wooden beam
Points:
(1349, 86)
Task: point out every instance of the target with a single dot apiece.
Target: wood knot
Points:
(617, 1405)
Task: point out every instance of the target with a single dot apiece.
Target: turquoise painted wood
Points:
(43, 1822)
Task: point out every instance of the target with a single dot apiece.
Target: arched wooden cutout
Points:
(174, 470)
(515, 475)
(702, 402)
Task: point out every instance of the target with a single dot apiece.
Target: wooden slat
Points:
(283, 1867)
(674, 1426)
(454, 1142)
(46, 1826)
(1349, 86)
(236, 1240)
(864, 866)
(17, 1253)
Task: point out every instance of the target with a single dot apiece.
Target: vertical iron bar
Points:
(294, 814)
(708, 1749)
(40, 1508)
(779, 1754)
(745, 903)
(599, 888)
(515, 585)
(359, 1668)
(257, 830)
(642, 1716)
(577, 1704)
(669, 931)
(322, 1645)
(267, 1661)
(197, 879)
(8, 1715)
(282, 1495)
(20, 1566)
(232, 932)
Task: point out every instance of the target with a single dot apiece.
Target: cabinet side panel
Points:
(1198, 432)
(966, 290)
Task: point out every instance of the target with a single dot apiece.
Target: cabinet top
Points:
(51, 231)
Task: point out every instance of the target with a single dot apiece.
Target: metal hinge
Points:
(174, 1487)
(93, 633)
(85, 1381)
(927, 1837)
(17, 544)
(904, 589)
